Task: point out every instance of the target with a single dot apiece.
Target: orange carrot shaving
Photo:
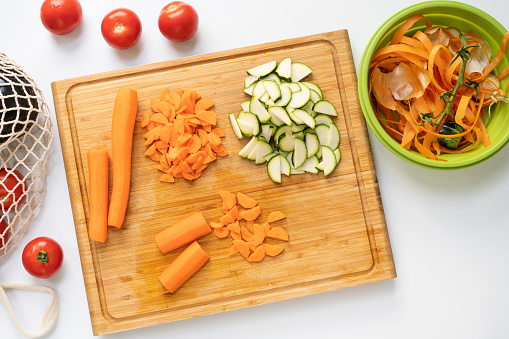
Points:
(181, 126)
(98, 193)
(183, 267)
(427, 97)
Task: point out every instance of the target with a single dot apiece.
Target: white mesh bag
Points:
(25, 139)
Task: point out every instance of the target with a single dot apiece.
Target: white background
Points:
(449, 230)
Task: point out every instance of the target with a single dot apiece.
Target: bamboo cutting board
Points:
(338, 235)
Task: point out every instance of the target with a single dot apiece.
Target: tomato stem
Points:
(119, 26)
(42, 257)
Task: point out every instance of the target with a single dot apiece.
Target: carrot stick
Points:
(189, 229)
(183, 267)
(124, 117)
(98, 194)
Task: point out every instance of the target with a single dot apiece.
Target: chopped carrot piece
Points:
(214, 140)
(234, 226)
(246, 235)
(235, 235)
(219, 132)
(233, 250)
(145, 119)
(167, 177)
(203, 104)
(216, 224)
(251, 214)
(250, 225)
(266, 227)
(251, 245)
(183, 232)
(278, 233)
(207, 116)
(242, 246)
(228, 198)
(257, 255)
(234, 212)
(275, 216)
(221, 232)
(227, 219)
(273, 250)
(246, 201)
(259, 234)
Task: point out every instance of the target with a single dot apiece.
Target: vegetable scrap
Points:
(248, 239)
(181, 134)
(430, 90)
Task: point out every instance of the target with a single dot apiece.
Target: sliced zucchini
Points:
(334, 137)
(298, 128)
(259, 90)
(323, 119)
(314, 96)
(272, 88)
(249, 80)
(264, 98)
(325, 107)
(286, 142)
(308, 107)
(310, 164)
(281, 114)
(314, 87)
(323, 131)
(271, 155)
(249, 90)
(286, 96)
(300, 71)
(284, 69)
(301, 97)
(299, 135)
(258, 108)
(244, 152)
(300, 153)
(294, 117)
(273, 76)
(245, 105)
(279, 132)
(262, 70)
(276, 121)
(294, 86)
(312, 143)
(319, 166)
(248, 124)
(262, 150)
(266, 132)
(285, 166)
(329, 160)
(274, 168)
(337, 153)
(305, 117)
(235, 125)
(254, 151)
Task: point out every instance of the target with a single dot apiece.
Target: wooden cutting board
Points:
(338, 234)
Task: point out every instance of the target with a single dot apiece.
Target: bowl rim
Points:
(367, 109)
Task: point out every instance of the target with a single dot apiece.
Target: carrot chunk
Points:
(183, 232)
(273, 250)
(275, 216)
(251, 214)
(278, 233)
(242, 247)
(246, 201)
(257, 255)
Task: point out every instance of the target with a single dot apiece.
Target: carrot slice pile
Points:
(248, 237)
(418, 83)
(181, 134)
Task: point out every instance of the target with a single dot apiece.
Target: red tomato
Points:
(42, 257)
(61, 16)
(12, 188)
(121, 28)
(3, 237)
(178, 21)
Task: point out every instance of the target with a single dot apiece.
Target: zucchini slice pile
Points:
(288, 121)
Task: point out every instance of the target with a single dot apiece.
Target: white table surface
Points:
(449, 235)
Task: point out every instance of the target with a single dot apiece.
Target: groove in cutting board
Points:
(338, 235)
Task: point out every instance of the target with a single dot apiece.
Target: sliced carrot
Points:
(145, 119)
(275, 216)
(219, 132)
(266, 227)
(233, 250)
(246, 201)
(167, 177)
(250, 225)
(228, 198)
(216, 224)
(234, 212)
(234, 226)
(183, 267)
(203, 104)
(98, 194)
(278, 233)
(257, 255)
(273, 250)
(183, 232)
(227, 219)
(235, 235)
(251, 245)
(259, 234)
(221, 232)
(246, 235)
(124, 117)
(251, 214)
(207, 116)
(242, 247)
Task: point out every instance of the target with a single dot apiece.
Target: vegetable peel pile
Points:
(430, 90)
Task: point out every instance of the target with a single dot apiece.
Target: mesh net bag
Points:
(25, 139)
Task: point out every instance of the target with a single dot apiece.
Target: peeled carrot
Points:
(183, 267)
(124, 116)
(185, 231)
(98, 193)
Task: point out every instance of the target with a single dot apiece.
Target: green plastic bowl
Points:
(448, 14)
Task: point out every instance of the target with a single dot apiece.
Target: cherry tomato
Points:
(178, 21)
(42, 257)
(3, 237)
(61, 17)
(12, 188)
(121, 28)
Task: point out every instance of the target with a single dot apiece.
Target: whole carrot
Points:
(124, 116)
